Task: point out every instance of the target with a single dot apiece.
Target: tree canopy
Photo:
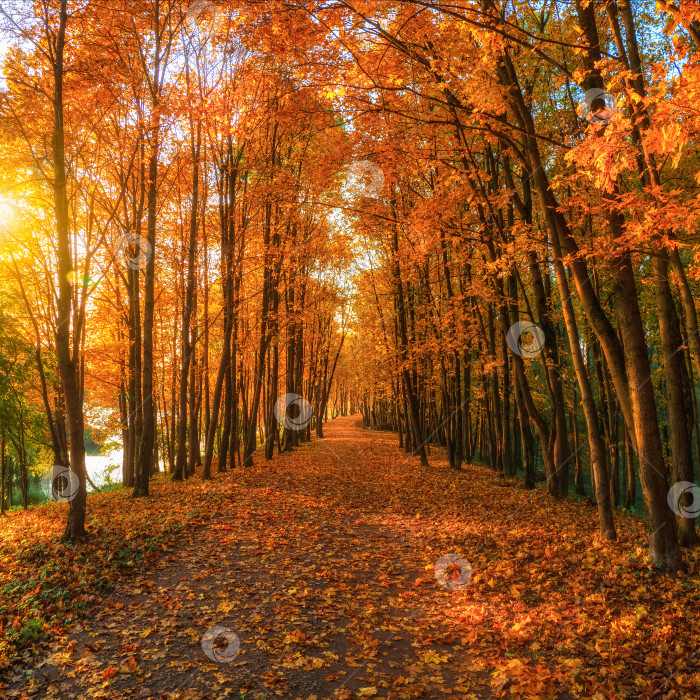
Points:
(226, 222)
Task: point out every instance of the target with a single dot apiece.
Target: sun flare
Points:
(8, 217)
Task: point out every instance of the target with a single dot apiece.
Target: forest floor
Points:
(323, 563)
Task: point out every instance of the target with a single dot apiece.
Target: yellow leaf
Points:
(224, 606)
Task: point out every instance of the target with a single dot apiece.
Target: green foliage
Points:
(22, 423)
(31, 630)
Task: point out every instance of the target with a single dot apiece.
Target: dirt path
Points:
(322, 563)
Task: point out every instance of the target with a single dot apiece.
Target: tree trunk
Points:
(181, 459)
(75, 527)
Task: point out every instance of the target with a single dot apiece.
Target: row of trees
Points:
(170, 255)
(534, 271)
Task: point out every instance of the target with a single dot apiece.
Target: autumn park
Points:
(349, 349)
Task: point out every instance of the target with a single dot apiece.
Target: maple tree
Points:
(226, 224)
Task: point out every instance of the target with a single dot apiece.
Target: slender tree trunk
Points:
(2, 471)
(595, 441)
(181, 459)
(75, 527)
(145, 452)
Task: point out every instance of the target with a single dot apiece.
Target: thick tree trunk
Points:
(663, 545)
(677, 380)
